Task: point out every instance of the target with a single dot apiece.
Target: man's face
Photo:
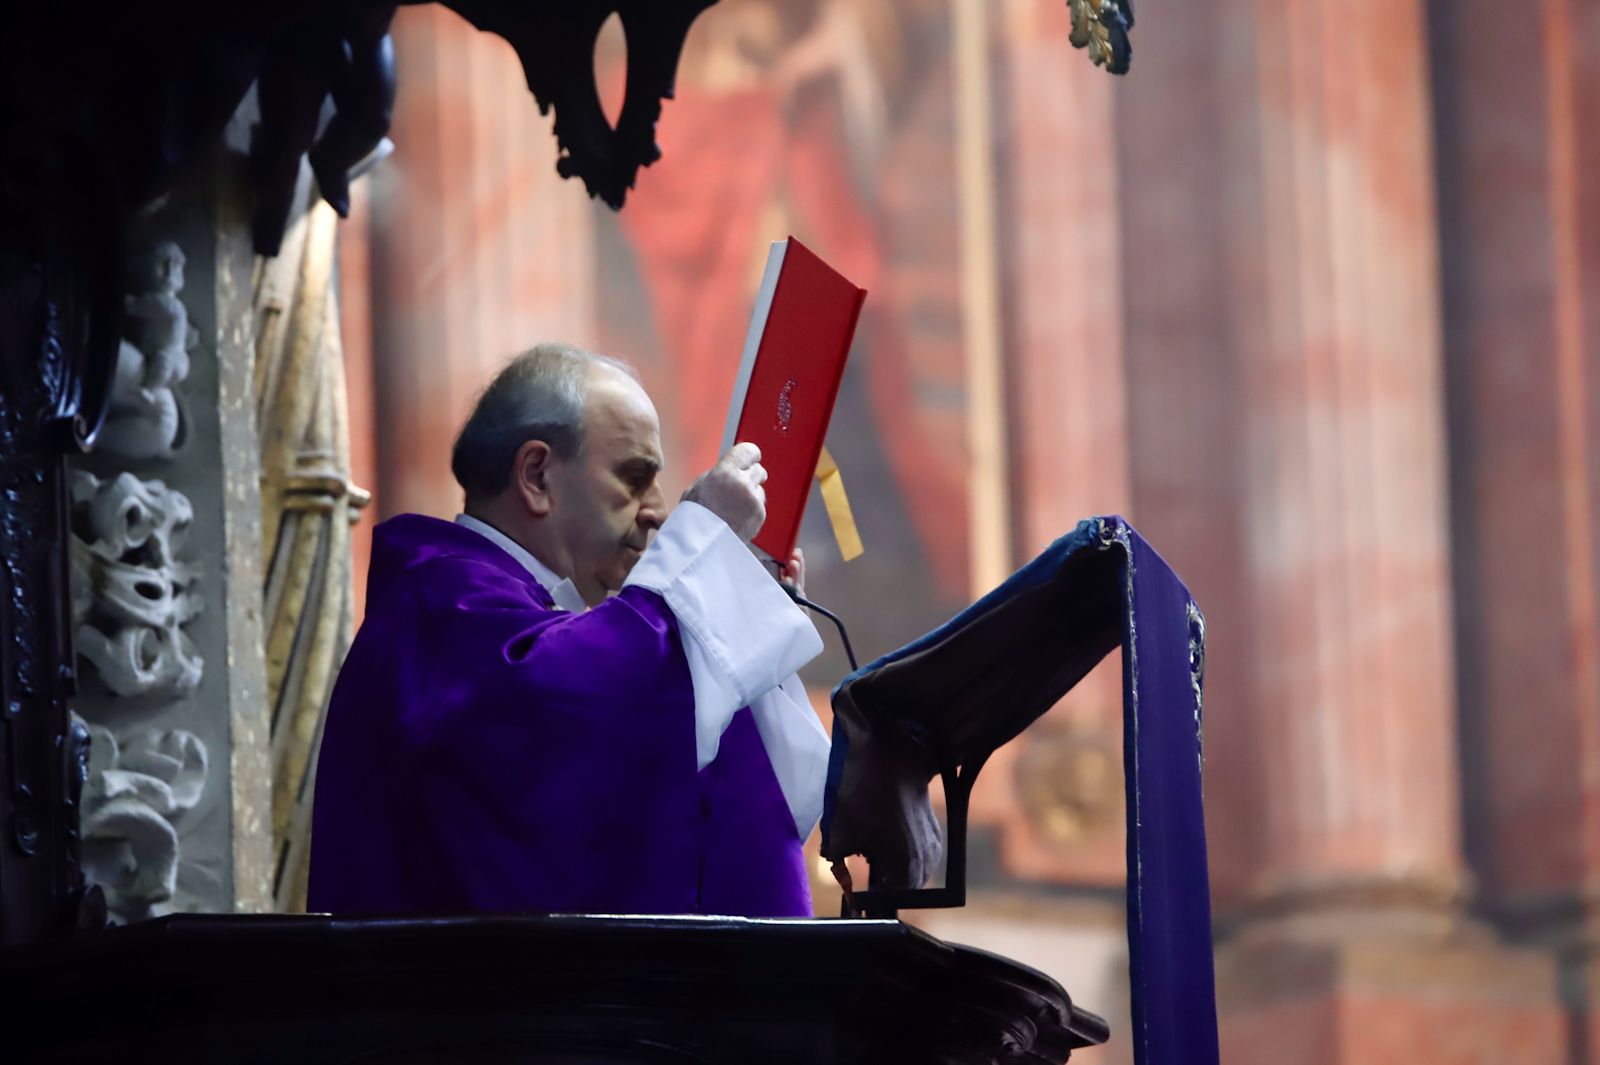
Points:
(607, 500)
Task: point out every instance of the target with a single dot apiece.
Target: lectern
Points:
(942, 704)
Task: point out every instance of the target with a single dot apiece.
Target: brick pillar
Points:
(1289, 454)
(1521, 220)
(1287, 424)
(1331, 264)
(477, 252)
(1056, 794)
(1185, 433)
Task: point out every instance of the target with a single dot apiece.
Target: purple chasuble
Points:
(484, 751)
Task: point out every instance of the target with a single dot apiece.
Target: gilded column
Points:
(308, 504)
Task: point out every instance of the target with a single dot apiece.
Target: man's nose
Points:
(653, 511)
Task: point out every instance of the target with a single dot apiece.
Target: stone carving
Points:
(145, 419)
(132, 595)
(133, 807)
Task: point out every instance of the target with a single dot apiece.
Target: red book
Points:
(800, 333)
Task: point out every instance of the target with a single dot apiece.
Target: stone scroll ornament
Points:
(137, 793)
(132, 595)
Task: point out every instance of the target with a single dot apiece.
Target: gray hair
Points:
(538, 396)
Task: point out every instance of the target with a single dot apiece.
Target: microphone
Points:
(815, 608)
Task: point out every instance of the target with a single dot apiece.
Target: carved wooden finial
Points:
(1102, 27)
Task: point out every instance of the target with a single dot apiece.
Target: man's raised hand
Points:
(732, 490)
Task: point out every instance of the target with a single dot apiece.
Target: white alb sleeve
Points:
(742, 636)
(798, 747)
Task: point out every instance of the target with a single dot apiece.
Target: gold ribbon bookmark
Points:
(837, 504)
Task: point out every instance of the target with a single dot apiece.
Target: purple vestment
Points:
(484, 751)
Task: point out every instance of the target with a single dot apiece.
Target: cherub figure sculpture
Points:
(145, 420)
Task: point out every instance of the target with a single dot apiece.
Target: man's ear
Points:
(530, 476)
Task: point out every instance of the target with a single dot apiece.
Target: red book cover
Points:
(800, 333)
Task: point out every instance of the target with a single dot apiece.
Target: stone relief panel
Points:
(136, 590)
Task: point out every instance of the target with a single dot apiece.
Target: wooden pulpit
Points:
(866, 987)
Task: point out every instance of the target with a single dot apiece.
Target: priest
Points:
(572, 699)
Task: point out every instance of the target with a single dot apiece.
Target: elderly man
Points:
(570, 699)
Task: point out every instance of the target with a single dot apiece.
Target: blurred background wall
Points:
(1309, 297)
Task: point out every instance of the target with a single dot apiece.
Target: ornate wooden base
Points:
(537, 991)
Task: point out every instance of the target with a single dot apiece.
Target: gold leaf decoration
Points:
(1102, 27)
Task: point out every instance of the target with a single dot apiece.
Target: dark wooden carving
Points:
(60, 301)
(538, 991)
(557, 53)
(343, 53)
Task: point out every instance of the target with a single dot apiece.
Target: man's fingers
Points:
(758, 474)
(743, 455)
(795, 570)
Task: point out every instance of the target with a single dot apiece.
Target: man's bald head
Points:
(561, 454)
(540, 395)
